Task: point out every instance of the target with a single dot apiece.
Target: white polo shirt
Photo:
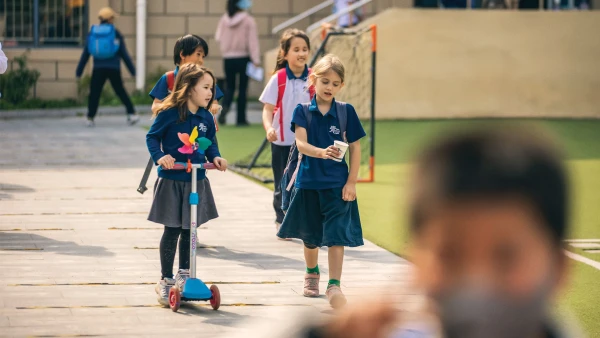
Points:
(296, 92)
(3, 61)
(344, 20)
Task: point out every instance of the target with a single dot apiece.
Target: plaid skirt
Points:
(171, 204)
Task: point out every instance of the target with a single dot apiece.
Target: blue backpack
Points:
(291, 169)
(102, 41)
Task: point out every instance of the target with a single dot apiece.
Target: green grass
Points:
(237, 142)
(383, 203)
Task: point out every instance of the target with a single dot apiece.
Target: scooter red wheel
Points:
(174, 299)
(215, 300)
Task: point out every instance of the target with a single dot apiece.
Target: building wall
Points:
(167, 20)
(441, 64)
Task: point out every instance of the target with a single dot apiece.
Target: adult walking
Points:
(106, 45)
(237, 36)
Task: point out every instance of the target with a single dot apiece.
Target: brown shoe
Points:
(311, 285)
(335, 296)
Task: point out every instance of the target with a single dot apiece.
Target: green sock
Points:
(313, 270)
(333, 282)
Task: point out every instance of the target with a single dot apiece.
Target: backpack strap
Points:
(281, 84)
(293, 178)
(170, 80)
(308, 116)
(342, 114)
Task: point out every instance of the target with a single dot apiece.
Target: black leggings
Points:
(168, 247)
(99, 77)
(234, 68)
(279, 157)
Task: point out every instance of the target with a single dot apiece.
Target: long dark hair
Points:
(187, 78)
(232, 7)
(285, 43)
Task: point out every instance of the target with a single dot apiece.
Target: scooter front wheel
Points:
(174, 299)
(215, 300)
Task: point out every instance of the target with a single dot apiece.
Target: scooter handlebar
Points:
(184, 166)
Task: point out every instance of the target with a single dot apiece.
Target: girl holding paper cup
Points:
(324, 210)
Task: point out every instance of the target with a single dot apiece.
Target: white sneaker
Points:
(132, 119)
(162, 290)
(181, 277)
(90, 123)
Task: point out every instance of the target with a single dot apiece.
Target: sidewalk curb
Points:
(82, 111)
(67, 112)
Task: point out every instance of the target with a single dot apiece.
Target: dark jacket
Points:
(163, 139)
(112, 63)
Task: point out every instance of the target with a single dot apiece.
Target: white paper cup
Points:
(342, 147)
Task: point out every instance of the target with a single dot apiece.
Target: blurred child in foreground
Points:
(488, 214)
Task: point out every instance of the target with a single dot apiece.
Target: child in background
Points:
(182, 111)
(188, 49)
(287, 88)
(323, 210)
(351, 18)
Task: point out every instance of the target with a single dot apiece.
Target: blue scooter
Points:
(194, 289)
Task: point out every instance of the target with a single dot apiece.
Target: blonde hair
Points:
(187, 78)
(324, 65)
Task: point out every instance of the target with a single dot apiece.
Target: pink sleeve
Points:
(219, 30)
(254, 45)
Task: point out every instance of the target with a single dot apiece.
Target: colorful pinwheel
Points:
(189, 142)
(192, 143)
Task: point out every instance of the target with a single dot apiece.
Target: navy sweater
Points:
(164, 133)
(111, 63)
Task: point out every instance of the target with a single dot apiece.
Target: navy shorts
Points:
(322, 218)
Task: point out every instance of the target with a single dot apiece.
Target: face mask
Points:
(475, 312)
(244, 4)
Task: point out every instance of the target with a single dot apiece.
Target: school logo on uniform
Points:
(202, 127)
(334, 130)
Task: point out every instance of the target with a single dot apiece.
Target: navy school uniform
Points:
(317, 214)
(172, 188)
(161, 89)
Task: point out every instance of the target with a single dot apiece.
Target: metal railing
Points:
(336, 15)
(302, 16)
(35, 23)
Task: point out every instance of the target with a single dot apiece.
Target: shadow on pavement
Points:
(23, 241)
(6, 189)
(252, 259)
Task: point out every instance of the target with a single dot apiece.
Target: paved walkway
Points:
(79, 258)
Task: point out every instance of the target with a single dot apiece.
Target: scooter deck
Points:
(195, 290)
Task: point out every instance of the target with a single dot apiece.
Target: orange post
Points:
(374, 37)
(372, 166)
